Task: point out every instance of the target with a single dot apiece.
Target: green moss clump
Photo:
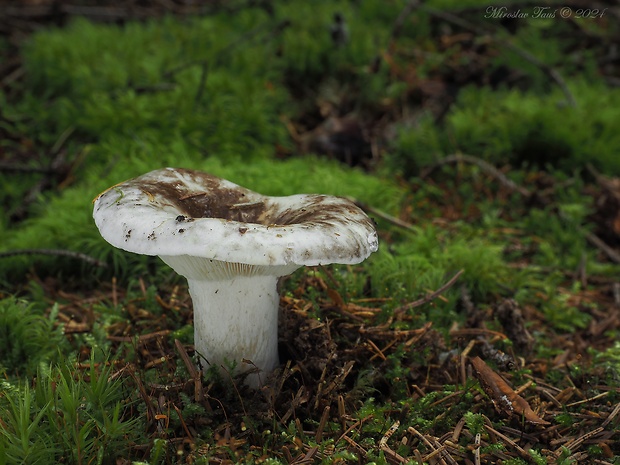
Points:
(28, 339)
(521, 128)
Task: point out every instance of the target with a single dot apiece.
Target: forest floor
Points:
(360, 383)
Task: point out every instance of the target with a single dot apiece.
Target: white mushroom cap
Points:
(176, 212)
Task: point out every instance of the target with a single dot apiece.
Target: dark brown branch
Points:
(597, 242)
(398, 24)
(381, 214)
(431, 296)
(52, 11)
(552, 73)
(199, 394)
(592, 238)
(55, 252)
(57, 172)
(17, 168)
(484, 166)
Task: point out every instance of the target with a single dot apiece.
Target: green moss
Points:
(154, 79)
(426, 260)
(67, 415)
(521, 128)
(28, 338)
(308, 52)
(65, 221)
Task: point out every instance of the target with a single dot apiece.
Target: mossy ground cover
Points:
(484, 330)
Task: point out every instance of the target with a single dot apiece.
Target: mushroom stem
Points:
(236, 320)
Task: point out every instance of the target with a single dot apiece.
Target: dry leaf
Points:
(335, 297)
(502, 395)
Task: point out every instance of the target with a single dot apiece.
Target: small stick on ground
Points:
(431, 296)
(522, 453)
(17, 168)
(612, 415)
(576, 443)
(597, 242)
(430, 445)
(142, 338)
(55, 252)
(484, 166)
(381, 214)
(400, 20)
(593, 239)
(319, 431)
(551, 72)
(194, 373)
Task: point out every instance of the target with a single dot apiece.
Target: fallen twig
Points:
(57, 172)
(483, 165)
(55, 252)
(614, 413)
(434, 451)
(597, 242)
(381, 214)
(431, 296)
(551, 72)
(592, 238)
(142, 338)
(522, 453)
(30, 14)
(576, 443)
(400, 20)
(17, 168)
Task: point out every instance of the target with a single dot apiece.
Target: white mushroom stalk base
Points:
(236, 320)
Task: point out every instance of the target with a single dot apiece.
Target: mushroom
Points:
(232, 245)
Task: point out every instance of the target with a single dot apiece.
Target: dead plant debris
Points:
(316, 396)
